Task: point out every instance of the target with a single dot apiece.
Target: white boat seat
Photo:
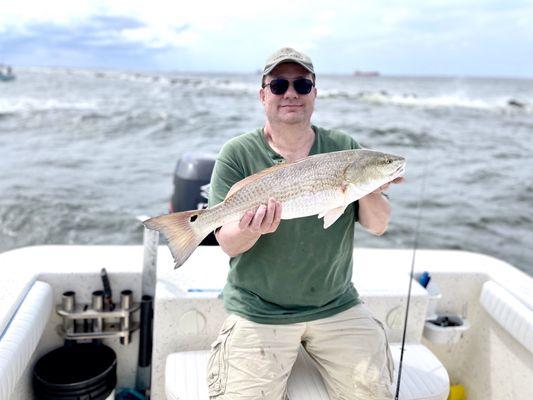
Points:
(423, 376)
(13, 289)
(510, 312)
(29, 312)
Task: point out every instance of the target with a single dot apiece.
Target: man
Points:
(290, 281)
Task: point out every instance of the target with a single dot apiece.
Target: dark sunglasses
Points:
(280, 86)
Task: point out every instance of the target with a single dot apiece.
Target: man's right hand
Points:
(238, 237)
(263, 219)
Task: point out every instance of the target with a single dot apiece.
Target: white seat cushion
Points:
(185, 375)
(511, 313)
(423, 376)
(22, 334)
(13, 289)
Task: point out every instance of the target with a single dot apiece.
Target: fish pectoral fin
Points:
(330, 216)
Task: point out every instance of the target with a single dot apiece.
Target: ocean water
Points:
(83, 152)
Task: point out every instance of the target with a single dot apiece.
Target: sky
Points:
(444, 38)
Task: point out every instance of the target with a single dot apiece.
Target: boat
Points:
(469, 332)
(6, 73)
(366, 73)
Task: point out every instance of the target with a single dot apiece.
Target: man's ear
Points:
(262, 95)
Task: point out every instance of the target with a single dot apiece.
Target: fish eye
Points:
(388, 160)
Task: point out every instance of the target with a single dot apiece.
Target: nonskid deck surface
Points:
(423, 376)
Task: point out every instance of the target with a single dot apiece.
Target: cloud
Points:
(237, 35)
(96, 41)
(99, 31)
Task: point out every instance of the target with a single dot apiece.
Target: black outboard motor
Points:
(191, 185)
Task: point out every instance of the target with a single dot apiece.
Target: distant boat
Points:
(6, 73)
(366, 73)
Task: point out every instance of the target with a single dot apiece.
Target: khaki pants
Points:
(253, 361)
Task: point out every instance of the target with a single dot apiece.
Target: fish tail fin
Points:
(180, 231)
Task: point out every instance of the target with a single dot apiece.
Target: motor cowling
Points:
(191, 185)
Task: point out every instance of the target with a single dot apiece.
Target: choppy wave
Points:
(232, 86)
(61, 221)
(442, 101)
(28, 104)
(403, 137)
(22, 105)
(169, 79)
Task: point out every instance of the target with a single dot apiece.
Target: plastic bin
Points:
(76, 372)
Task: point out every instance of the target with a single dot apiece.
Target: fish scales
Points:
(302, 191)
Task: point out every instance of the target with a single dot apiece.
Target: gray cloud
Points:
(94, 40)
(408, 37)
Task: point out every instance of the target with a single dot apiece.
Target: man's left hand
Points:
(385, 186)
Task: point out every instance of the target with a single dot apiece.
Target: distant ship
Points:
(6, 73)
(366, 73)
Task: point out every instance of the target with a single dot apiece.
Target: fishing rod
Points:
(411, 276)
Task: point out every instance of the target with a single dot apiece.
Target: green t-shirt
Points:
(302, 271)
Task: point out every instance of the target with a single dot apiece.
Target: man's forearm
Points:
(374, 213)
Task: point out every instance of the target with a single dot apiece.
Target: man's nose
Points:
(291, 93)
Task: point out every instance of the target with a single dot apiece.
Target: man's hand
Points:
(238, 237)
(385, 186)
(374, 209)
(263, 219)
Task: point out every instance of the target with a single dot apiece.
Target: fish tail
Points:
(180, 231)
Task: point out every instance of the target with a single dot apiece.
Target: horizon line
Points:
(258, 72)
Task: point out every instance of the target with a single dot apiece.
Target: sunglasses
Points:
(280, 86)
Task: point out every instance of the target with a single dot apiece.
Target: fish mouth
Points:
(399, 171)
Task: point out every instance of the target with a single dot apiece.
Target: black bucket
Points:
(77, 372)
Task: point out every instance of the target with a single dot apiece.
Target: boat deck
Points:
(188, 312)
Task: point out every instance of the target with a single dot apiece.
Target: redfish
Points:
(323, 184)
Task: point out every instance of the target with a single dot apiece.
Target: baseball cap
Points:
(287, 54)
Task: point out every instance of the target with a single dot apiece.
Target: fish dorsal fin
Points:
(252, 178)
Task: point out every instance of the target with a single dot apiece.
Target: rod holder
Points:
(125, 304)
(98, 306)
(68, 304)
(104, 322)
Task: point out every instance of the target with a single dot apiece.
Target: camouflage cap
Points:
(287, 54)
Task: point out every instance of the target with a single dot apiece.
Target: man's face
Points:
(290, 107)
